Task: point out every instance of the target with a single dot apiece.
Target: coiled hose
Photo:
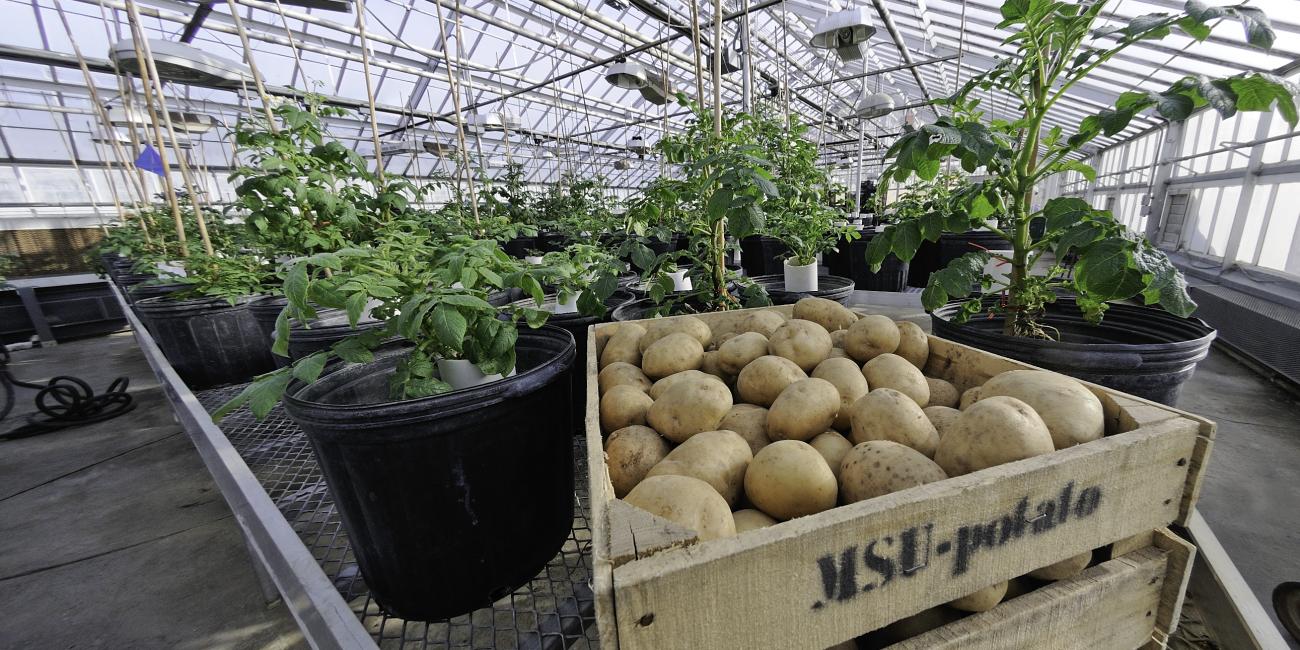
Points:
(61, 402)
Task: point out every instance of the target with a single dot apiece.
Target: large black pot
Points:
(145, 291)
(892, 275)
(266, 310)
(330, 327)
(762, 255)
(209, 341)
(831, 287)
(1138, 350)
(519, 246)
(932, 256)
(550, 242)
(452, 501)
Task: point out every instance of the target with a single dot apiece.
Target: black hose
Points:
(63, 401)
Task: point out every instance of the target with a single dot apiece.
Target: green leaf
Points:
(449, 326)
(1063, 212)
(1014, 9)
(466, 300)
(1259, 31)
(295, 288)
(1079, 166)
(907, 239)
(1259, 91)
(535, 317)
(353, 350)
(1218, 93)
(308, 368)
(879, 248)
(1077, 237)
(981, 207)
(1106, 270)
(281, 344)
(719, 203)
(604, 286)
(356, 303)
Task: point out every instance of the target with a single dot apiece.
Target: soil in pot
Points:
(209, 342)
(831, 287)
(1138, 350)
(455, 500)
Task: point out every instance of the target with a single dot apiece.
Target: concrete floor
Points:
(112, 535)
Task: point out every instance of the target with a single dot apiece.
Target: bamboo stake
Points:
(142, 45)
(460, 120)
(717, 68)
(168, 188)
(695, 48)
(252, 66)
(370, 93)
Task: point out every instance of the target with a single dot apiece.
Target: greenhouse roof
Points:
(544, 62)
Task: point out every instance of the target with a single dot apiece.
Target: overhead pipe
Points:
(903, 51)
(861, 75)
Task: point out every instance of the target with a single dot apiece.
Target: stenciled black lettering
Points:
(1063, 503)
(879, 563)
(1046, 519)
(1013, 525)
(909, 555)
(840, 583)
(1089, 500)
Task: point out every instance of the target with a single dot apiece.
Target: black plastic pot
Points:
(549, 242)
(330, 327)
(138, 292)
(266, 310)
(953, 246)
(452, 501)
(892, 275)
(658, 246)
(831, 287)
(208, 341)
(1138, 350)
(505, 297)
(576, 325)
(519, 246)
(762, 255)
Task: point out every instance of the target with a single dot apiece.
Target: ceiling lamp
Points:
(874, 105)
(185, 121)
(400, 147)
(182, 63)
(182, 141)
(657, 89)
(627, 74)
(494, 121)
(621, 165)
(845, 31)
(109, 136)
(439, 148)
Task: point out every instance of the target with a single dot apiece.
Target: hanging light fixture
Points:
(439, 148)
(182, 63)
(846, 32)
(109, 136)
(657, 89)
(877, 104)
(622, 164)
(627, 74)
(186, 121)
(493, 121)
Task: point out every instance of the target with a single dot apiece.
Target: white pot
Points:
(800, 278)
(569, 306)
(460, 373)
(533, 259)
(680, 281)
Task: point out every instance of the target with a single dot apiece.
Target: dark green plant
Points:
(228, 277)
(1058, 46)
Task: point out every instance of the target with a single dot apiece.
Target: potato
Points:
(624, 346)
(871, 337)
(1067, 568)
(802, 341)
(720, 339)
(689, 407)
(674, 353)
(765, 377)
(750, 422)
(969, 397)
(886, 414)
(659, 328)
(913, 343)
(623, 406)
(848, 380)
(621, 373)
(764, 322)
(1071, 412)
(832, 446)
(718, 458)
(982, 600)
(658, 388)
(630, 453)
(750, 519)
(837, 338)
(685, 501)
(827, 313)
(879, 467)
(838, 353)
(942, 393)
(710, 367)
(804, 409)
(741, 349)
(993, 431)
(942, 417)
(892, 371)
(789, 479)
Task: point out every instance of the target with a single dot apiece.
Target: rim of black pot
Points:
(203, 303)
(299, 398)
(1140, 319)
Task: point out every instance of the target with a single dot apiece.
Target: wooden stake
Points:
(137, 31)
(460, 119)
(252, 66)
(370, 93)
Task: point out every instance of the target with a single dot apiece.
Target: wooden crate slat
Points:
(778, 577)
(1110, 606)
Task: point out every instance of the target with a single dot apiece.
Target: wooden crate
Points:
(820, 580)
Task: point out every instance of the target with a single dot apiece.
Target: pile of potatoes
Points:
(761, 419)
